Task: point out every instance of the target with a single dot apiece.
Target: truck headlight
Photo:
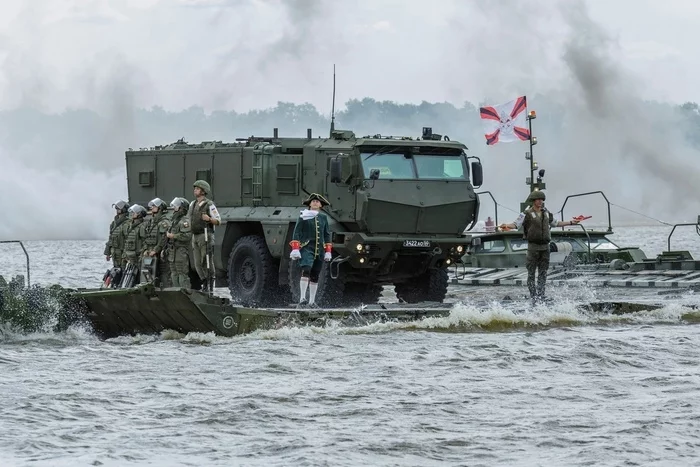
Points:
(359, 247)
(460, 248)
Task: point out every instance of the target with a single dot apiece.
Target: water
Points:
(481, 387)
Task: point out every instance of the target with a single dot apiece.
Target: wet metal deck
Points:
(603, 277)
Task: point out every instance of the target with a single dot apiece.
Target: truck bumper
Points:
(391, 259)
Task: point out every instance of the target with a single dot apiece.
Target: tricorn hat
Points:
(313, 196)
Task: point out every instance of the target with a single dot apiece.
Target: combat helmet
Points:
(203, 185)
(181, 203)
(137, 209)
(537, 194)
(121, 206)
(157, 202)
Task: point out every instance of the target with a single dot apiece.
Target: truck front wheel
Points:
(430, 286)
(252, 274)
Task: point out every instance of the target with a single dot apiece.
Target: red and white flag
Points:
(507, 122)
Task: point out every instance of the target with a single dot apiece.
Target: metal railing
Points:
(25, 254)
(495, 204)
(561, 211)
(697, 230)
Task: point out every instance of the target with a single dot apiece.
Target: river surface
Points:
(554, 387)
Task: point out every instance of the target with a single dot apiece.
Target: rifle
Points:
(210, 262)
(129, 276)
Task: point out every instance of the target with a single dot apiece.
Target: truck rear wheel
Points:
(428, 287)
(252, 274)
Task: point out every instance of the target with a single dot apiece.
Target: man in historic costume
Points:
(311, 244)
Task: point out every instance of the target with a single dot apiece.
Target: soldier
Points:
(114, 245)
(537, 221)
(133, 236)
(203, 215)
(153, 232)
(179, 237)
(311, 236)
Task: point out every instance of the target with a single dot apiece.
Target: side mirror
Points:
(336, 170)
(477, 174)
(374, 174)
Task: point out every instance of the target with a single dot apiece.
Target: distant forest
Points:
(88, 139)
(644, 155)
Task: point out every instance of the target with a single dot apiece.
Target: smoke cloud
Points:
(63, 165)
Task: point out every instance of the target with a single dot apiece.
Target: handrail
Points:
(586, 194)
(697, 229)
(587, 236)
(495, 204)
(475, 216)
(25, 254)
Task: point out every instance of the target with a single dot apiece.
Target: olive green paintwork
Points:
(258, 185)
(148, 310)
(508, 249)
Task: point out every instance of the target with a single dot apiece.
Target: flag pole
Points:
(539, 185)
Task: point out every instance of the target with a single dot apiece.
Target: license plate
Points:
(416, 243)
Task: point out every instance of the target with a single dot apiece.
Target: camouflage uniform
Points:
(114, 245)
(153, 232)
(199, 244)
(536, 227)
(132, 236)
(178, 249)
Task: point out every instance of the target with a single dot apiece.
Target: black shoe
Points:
(302, 304)
(313, 305)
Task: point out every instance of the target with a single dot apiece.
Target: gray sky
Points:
(242, 54)
(595, 59)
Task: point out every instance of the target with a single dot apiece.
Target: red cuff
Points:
(295, 244)
(329, 247)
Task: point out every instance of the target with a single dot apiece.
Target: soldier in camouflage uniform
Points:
(153, 232)
(536, 222)
(203, 215)
(114, 245)
(132, 236)
(179, 237)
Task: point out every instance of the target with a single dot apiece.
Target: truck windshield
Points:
(407, 167)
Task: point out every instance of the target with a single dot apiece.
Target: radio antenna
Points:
(333, 105)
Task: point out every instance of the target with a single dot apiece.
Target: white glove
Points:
(328, 256)
(295, 254)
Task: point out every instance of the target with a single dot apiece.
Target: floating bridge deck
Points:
(590, 276)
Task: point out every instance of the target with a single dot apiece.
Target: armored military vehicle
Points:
(399, 209)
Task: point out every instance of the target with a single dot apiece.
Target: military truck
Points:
(399, 210)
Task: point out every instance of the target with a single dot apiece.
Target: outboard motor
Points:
(560, 253)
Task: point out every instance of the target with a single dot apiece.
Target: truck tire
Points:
(428, 287)
(363, 294)
(252, 274)
(329, 292)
